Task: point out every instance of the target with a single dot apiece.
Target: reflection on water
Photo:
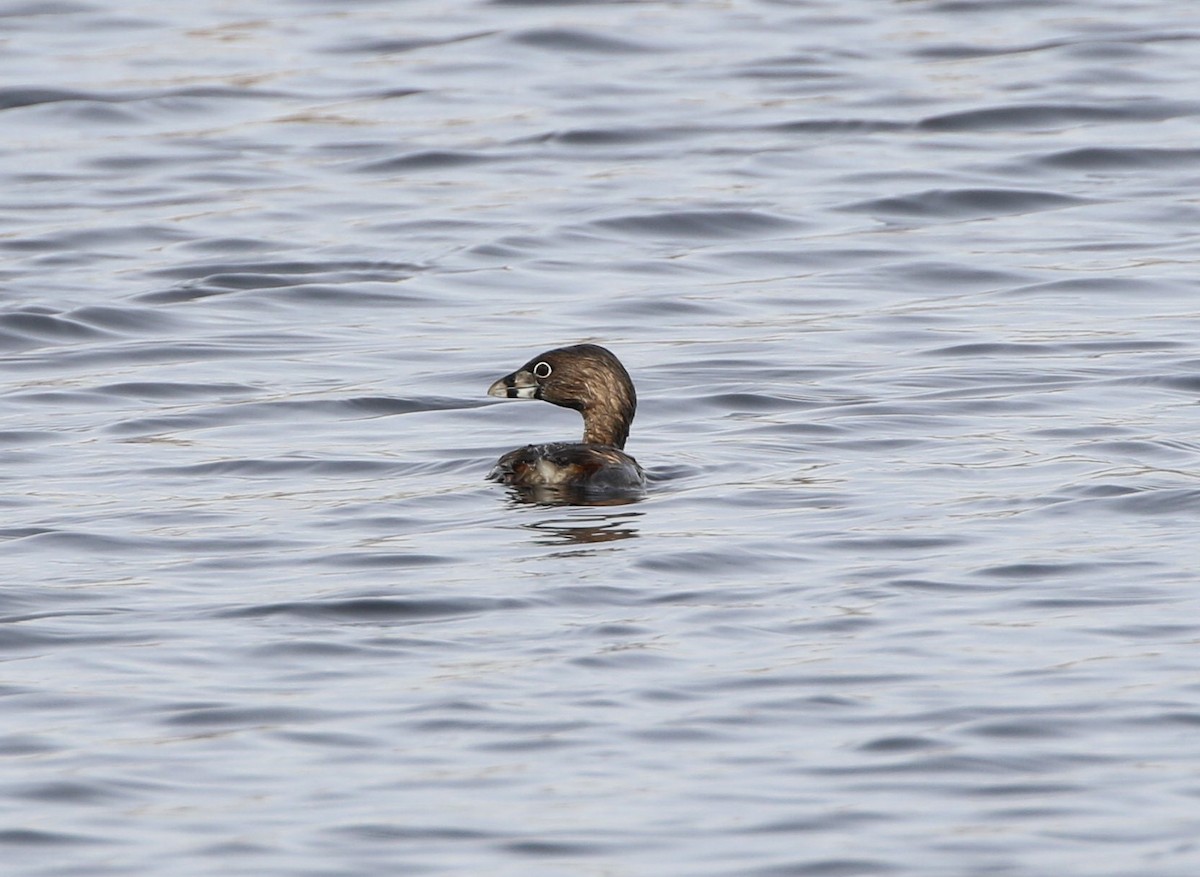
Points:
(560, 495)
(586, 529)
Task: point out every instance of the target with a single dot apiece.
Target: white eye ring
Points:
(542, 370)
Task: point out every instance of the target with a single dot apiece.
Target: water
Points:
(909, 293)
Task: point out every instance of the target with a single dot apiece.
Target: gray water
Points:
(909, 291)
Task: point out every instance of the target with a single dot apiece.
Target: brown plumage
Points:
(591, 380)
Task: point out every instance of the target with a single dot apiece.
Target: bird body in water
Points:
(591, 380)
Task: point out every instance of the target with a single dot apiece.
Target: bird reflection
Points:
(585, 529)
(564, 495)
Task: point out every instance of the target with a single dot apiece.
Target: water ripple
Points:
(968, 203)
(565, 39)
(1033, 116)
(376, 609)
(696, 224)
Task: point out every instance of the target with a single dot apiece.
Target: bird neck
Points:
(608, 424)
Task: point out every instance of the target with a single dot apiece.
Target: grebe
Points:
(591, 380)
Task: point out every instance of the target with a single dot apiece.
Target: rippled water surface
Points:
(909, 291)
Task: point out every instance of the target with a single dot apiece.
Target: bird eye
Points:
(542, 370)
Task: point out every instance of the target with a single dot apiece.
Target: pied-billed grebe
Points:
(591, 380)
